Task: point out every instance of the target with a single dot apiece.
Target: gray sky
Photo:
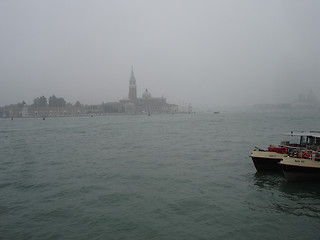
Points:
(208, 53)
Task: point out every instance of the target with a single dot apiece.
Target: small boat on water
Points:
(303, 163)
(267, 160)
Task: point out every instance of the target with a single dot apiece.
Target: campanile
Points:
(132, 86)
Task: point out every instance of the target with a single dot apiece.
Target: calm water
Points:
(157, 177)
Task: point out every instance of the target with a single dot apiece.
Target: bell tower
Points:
(132, 86)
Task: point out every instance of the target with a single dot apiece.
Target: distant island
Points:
(57, 106)
(302, 102)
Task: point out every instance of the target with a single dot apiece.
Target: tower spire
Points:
(132, 86)
(132, 74)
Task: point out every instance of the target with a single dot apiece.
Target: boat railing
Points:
(283, 149)
(296, 152)
(305, 153)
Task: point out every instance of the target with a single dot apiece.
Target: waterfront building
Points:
(146, 104)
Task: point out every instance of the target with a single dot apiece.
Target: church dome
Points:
(146, 94)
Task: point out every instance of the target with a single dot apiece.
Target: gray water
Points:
(158, 177)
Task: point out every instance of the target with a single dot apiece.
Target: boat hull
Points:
(265, 161)
(296, 169)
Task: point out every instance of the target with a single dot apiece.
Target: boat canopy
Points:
(315, 134)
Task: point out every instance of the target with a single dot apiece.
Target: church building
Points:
(146, 104)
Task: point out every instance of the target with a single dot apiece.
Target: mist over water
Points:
(158, 177)
(164, 176)
(207, 53)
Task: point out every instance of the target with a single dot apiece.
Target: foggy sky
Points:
(208, 53)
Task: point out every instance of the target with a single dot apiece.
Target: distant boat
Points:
(216, 112)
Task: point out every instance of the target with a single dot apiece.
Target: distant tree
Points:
(21, 105)
(40, 102)
(52, 101)
(56, 102)
(77, 104)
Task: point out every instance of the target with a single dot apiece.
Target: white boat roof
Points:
(315, 134)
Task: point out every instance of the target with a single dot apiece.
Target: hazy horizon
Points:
(207, 53)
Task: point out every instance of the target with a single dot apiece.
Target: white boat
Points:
(303, 163)
(267, 160)
(301, 168)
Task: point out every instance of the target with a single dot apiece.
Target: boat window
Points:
(310, 140)
(317, 141)
(303, 140)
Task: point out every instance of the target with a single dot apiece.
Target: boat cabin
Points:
(309, 139)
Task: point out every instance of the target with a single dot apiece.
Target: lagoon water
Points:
(158, 177)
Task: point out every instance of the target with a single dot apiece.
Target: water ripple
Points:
(158, 177)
